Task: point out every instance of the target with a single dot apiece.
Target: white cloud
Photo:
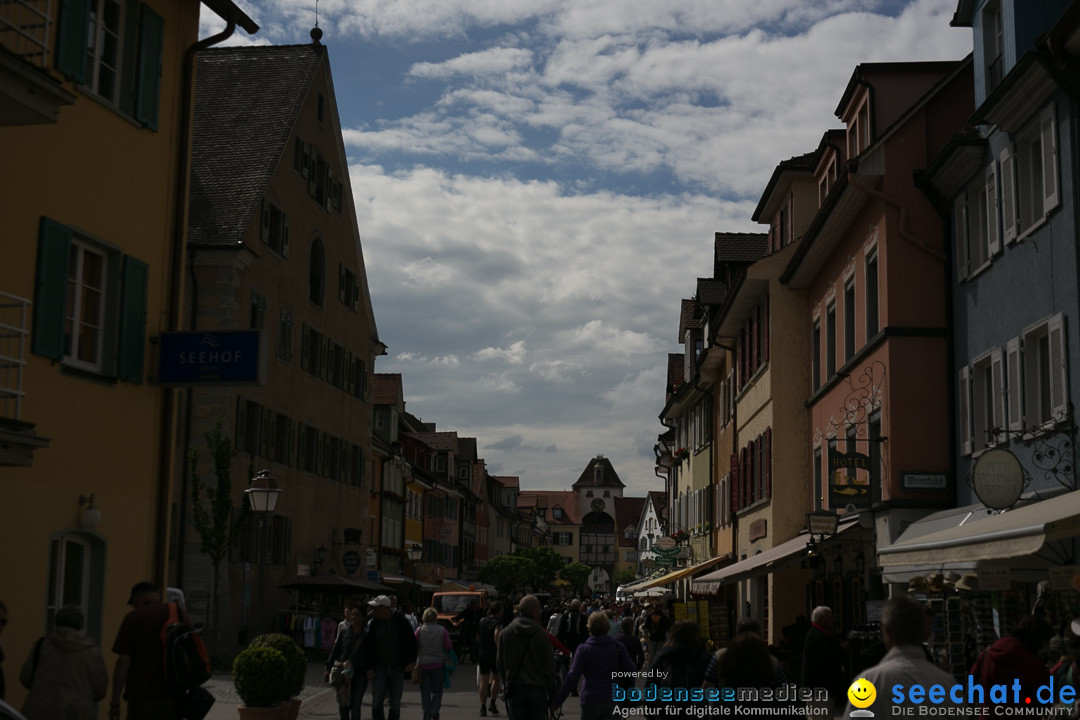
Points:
(513, 355)
(540, 183)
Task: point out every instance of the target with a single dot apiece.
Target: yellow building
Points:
(95, 111)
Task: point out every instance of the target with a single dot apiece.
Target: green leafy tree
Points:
(212, 511)
(507, 573)
(577, 574)
(548, 563)
(624, 577)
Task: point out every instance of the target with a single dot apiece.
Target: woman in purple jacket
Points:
(598, 660)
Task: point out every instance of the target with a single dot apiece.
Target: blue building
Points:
(1007, 187)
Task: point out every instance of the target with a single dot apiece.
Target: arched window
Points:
(317, 273)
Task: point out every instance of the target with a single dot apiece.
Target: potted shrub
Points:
(260, 674)
(296, 664)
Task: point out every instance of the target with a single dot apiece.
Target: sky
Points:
(538, 184)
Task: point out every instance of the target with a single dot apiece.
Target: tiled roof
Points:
(466, 448)
(550, 499)
(689, 318)
(659, 501)
(387, 388)
(675, 369)
(439, 440)
(711, 292)
(627, 513)
(510, 481)
(246, 103)
(740, 247)
(599, 473)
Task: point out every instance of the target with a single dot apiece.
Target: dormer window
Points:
(858, 135)
(556, 513)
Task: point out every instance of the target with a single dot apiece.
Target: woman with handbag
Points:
(350, 686)
(432, 643)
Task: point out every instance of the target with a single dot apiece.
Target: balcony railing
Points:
(24, 29)
(13, 333)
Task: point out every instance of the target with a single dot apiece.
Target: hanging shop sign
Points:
(350, 561)
(998, 479)
(850, 474)
(664, 543)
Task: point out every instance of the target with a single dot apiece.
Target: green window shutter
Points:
(54, 254)
(136, 283)
(71, 31)
(148, 72)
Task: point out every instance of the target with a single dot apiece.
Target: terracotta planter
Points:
(260, 713)
(290, 709)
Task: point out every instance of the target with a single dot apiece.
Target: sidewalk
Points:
(460, 701)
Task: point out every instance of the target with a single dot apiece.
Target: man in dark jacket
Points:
(386, 653)
(823, 657)
(526, 661)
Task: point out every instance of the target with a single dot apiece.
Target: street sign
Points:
(665, 562)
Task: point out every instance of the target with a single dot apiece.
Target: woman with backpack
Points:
(64, 672)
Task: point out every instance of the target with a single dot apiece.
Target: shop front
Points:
(980, 571)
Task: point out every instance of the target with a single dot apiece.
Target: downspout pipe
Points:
(179, 238)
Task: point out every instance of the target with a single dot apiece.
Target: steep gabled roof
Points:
(466, 448)
(675, 370)
(739, 247)
(711, 291)
(247, 100)
(509, 481)
(689, 318)
(627, 514)
(599, 473)
(439, 440)
(387, 389)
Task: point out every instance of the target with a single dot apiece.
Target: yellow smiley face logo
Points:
(862, 693)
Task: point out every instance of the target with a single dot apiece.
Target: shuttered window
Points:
(89, 304)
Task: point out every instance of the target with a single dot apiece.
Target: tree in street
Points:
(507, 573)
(547, 562)
(214, 524)
(577, 574)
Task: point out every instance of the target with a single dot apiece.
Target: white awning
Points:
(766, 561)
(1011, 534)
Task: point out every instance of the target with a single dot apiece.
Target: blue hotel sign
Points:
(231, 357)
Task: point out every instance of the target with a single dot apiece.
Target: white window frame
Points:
(76, 300)
(97, 31)
(1045, 374)
(988, 398)
(1029, 176)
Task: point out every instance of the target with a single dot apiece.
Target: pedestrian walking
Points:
(823, 657)
(526, 661)
(64, 672)
(432, 644)
(386, 653)
(487, 634)
(601, 661)
(139, 674)
(350, 685)
(630, 640)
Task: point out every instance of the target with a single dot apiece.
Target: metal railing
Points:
(14, 312)
(24, 29)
